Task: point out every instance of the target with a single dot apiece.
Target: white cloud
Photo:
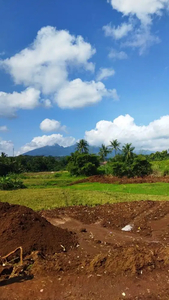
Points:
(142, 9)
(77, 94)
(45, 63)
(114, 54)
(48, 140)
(51, 125)
(142, 38)
(104, 73)
(154, 136)
(3, 128)
(140, 14)
(6, 146)
(117, 32)
(10, 103)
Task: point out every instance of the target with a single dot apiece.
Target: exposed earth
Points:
(82, 253)
(124, 180)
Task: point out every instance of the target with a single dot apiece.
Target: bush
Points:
(83, 164)
(139, 166)
(9, 183)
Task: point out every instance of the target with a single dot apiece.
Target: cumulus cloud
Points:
(47, 63)
(117, 32)
(3, 128)
(6, 146)
(10, 103)
(140, 14)
(114, 54)
(51, 125)
(48, 140)
(154, 136)
(77, 94)
(104, 73)
(143, 9)
(44, 64)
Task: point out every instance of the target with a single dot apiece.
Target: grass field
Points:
(50, 190)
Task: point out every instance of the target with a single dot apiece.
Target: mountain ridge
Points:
(57, 150)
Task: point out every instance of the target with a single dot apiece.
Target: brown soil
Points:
(112, 179)
(21, 226)
(107, 263)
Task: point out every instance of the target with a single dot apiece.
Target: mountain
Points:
(57, 150)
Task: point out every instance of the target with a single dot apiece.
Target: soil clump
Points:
(21, 226)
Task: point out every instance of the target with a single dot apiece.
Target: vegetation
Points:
(82, 146)
(115, 145)
(24, 163)
(11, 183)
(40, 194)
(104, 151)
(83, 164)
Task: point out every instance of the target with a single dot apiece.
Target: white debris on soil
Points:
(127, 228)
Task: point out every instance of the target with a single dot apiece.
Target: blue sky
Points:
(93, 69)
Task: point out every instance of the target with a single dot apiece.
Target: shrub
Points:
(141, 166)
(9, 183)
(138, 166)
(83, 164)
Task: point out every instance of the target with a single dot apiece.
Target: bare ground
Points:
(97, 260)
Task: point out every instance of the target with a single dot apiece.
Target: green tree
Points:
(103, 152)
(115, 145)
(141, 166)
(82, 146)
(83, 164)
(127, 151)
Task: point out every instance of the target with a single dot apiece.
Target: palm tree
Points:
(82, 146)
(104, 151)
(115, 146)
(128, 151)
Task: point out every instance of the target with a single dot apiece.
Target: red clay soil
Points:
(124, 180)
(21, 226)
(107, 263)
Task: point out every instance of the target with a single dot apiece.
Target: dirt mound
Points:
(21, 226)
(107, 261)
(124, 180)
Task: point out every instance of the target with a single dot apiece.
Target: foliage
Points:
(11, 183)
(82, 146)
(25, 163)
(141, 166)
(127, 151)
(115, 145)
(104, 151)
(130, 166)
(83, 164)
(157, 156)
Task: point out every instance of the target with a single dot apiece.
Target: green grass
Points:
(39, 199)
(160, 188)
(47, 179)
(48, 190)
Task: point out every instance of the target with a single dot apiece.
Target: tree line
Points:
(124, 163)
(25, 163)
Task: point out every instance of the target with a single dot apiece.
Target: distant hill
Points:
(57, 150)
